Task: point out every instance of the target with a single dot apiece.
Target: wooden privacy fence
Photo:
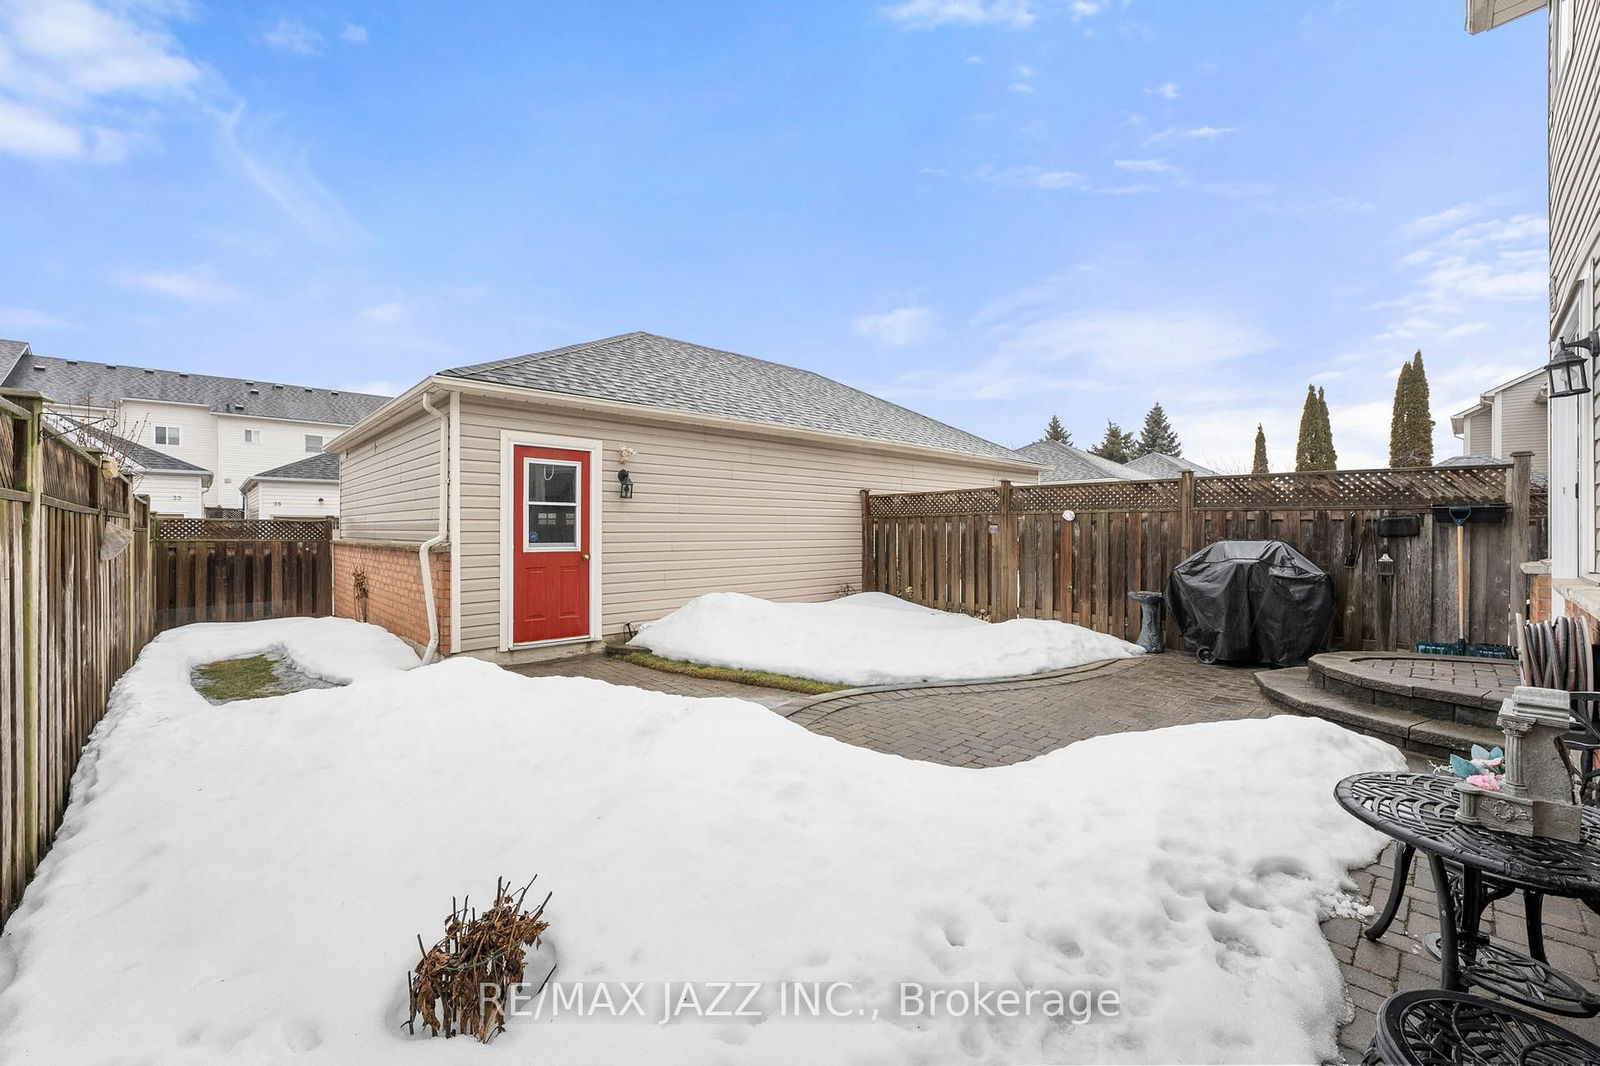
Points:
(70, 622)
(1007, 552)
(236, 570)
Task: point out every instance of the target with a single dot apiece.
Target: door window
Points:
(550, 505)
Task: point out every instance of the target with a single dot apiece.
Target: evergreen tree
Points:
(1157, 436)
(1055, 431)
(1260, 464)
(1116, 446)
(1327, 456)
(1305, 449)
(1421, 414)
(1400, 420)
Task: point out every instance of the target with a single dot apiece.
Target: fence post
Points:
(866, 542)
(1519, 494)
(1005, 595)
(1186, 514)
(30, 470)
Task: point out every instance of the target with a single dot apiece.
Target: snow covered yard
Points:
(870, 638)
(246, 883)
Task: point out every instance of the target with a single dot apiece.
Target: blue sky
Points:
(989, 210)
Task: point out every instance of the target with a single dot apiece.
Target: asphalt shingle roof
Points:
(81, 383)
(145, 458)
(642, 368)
(324, 466)
(1162, 466)
(1067, 463)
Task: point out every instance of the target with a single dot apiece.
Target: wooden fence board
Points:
(936, 548)
(252, 570)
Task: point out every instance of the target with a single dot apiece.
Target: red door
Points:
(550, 544)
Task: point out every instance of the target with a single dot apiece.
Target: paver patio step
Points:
(1434, 738)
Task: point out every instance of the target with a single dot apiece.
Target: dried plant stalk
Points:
(462, 982)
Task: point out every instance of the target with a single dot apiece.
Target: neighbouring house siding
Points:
(137, 420)
(1524, 422)
(394, 597)
(389, 485)
(1479, 433)
(714, 510)
(179, 494)
(272, 499)
(236, 461)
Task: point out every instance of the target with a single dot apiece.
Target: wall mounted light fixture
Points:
(1568, 365)
(625, 483)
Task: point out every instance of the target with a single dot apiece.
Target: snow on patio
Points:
(870, 638)
(246, 883)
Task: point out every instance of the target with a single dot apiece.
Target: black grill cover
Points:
(1252, 601)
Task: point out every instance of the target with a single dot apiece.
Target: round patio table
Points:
(1420, 810)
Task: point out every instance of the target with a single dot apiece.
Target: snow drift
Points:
(246, 883)
(869, 639)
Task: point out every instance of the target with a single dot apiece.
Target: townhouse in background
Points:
(230, 428)
(1514, 416)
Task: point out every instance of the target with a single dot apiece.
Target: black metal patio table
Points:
(1420, 810)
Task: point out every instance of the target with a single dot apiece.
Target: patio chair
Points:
(1437, 1028)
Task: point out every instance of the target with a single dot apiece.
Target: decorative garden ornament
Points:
(1528, 789)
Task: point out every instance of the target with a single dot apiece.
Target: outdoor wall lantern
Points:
(1567, 368)
(1385, 565)
(625, 483)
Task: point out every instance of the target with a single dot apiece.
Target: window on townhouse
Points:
(168, 435)
(313, 442)
(252, 436)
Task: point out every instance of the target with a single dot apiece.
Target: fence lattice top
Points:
(1399, 490)
(241, 529)
(1354, 488)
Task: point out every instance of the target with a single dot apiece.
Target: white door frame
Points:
(510, 439)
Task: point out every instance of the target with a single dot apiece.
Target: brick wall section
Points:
(394, 589)
(1539, 598)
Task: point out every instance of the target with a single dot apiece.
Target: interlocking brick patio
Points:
(995, 725)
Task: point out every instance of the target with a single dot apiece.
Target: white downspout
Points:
(432, 651)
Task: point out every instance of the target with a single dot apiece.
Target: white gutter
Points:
(427, 546)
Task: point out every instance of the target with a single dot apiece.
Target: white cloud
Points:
(20, 319)
(282, 173)
(353, 33)
(1082, 9)
(1189, 133)
(388, 314)
(1167, 90)
(899, 328)
(1021, 87)
(67, 65)
(1031, 177)
(200, 286)
(292, 35)
(924, 14)
(1450, 216)
(1146, 166)
(1112, 341)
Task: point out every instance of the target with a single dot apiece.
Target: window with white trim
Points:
(313, 442)
(168, 435)
(252, 436)
(550, 504)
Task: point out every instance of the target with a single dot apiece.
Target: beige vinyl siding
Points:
(389, 485)
(1574, 151)
(714, 510)
(1479, 433)
(1524, 422)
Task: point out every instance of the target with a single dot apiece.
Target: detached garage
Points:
(563, 497)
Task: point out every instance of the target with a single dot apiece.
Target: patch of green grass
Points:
(727, 673)
(237, 679)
